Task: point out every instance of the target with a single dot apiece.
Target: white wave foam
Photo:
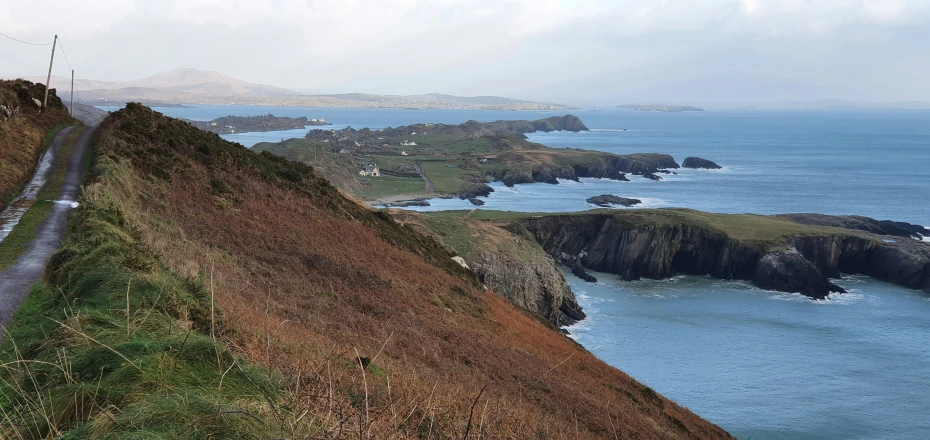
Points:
(850, 297)
(706, 170)
(925, 238)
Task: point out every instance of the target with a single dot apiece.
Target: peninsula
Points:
(243, 124)
(456, 160)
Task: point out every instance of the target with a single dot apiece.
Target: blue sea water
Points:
(760, 364)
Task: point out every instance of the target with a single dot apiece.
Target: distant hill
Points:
(192, 86)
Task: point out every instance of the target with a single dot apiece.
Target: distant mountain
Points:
(192, 86)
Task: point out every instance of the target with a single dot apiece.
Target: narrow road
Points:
(429, 183)
(17, 279)
(10, 216)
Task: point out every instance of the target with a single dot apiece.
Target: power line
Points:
(62, 46)
(24, 42)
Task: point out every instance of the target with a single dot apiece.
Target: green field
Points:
(386, 186)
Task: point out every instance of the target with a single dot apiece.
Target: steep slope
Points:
(350, 325)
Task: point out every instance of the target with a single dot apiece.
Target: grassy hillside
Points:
(206, 291)
(24, 131)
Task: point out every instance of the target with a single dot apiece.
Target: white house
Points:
(404, 153)
(409, 144)
(370, 170)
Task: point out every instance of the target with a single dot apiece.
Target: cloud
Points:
(585, 51)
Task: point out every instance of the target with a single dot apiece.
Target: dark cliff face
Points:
(608, 166)
(799, 263)
(904, 262)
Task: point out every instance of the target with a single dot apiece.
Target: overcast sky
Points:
(573, 51)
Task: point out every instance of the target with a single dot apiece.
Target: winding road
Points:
(429, 183)
(17, 279)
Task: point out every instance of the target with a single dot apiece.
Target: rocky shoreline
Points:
(663, 243)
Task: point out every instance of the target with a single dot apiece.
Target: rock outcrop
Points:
(789, 271)
(697, 162)
(608, 200)
(534, 286)
(476, 190)
(511, 265)
(660, 244)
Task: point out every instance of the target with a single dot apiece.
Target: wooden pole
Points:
(49, 78)
(72, 93)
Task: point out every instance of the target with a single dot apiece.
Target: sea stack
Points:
(697, 162)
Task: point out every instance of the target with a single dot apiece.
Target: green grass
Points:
(446, 176)
(386, 186)
(22, 234)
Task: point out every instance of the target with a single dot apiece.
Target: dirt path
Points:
(17, 279)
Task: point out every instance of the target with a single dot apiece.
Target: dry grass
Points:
(374, 331)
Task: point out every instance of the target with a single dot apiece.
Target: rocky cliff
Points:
(599, 166)
(772, 253)
(511, 265)
(537, 286)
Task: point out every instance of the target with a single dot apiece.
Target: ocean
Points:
(760, 364)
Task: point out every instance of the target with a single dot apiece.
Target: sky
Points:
(569, 51)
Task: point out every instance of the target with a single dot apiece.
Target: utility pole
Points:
(72, 93)
(49, 78)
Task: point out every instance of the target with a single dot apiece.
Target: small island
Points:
(608, 200)
(662, 108)
(699, 163)
(245, 124)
